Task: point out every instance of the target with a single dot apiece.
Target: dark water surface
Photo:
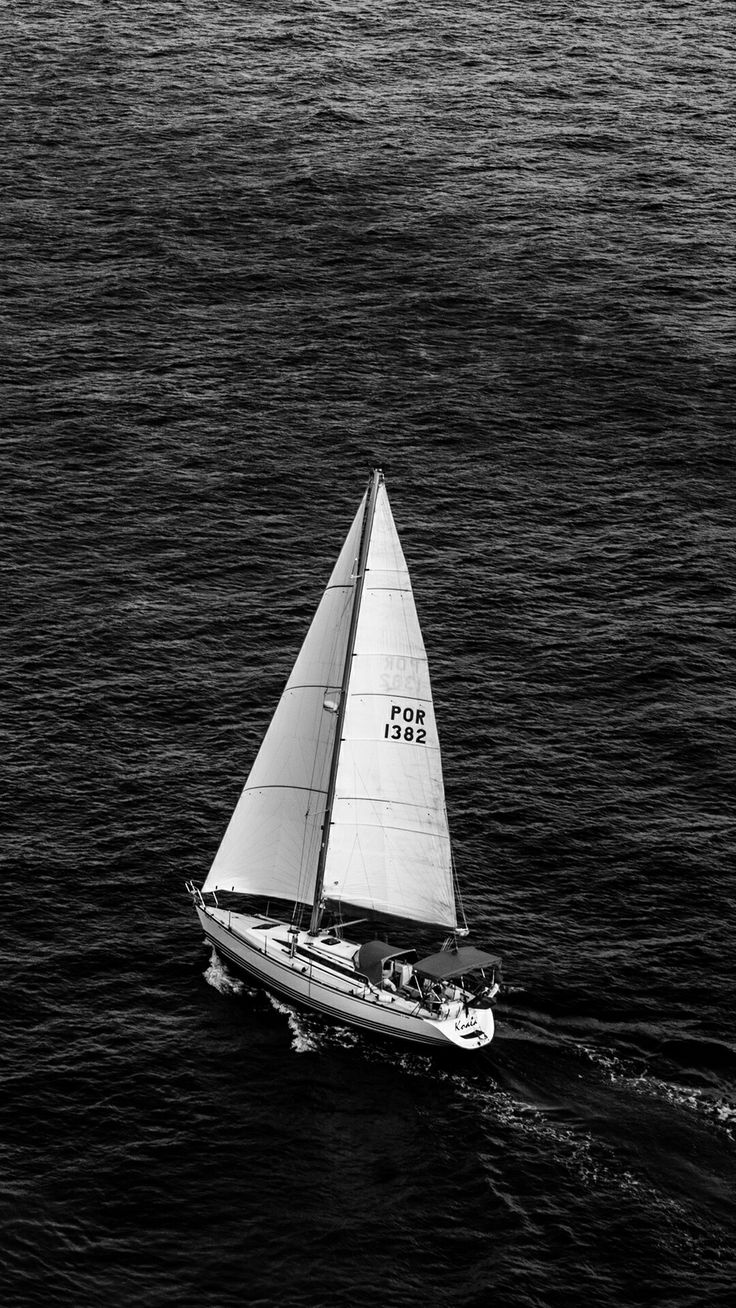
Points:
(249, 250)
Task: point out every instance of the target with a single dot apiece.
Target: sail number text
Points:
(406, 724)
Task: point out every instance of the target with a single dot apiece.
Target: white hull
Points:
(309, 971)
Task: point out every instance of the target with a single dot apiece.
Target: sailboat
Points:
(342, 823)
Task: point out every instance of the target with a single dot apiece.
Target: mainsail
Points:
(388, 846)
(272, 842)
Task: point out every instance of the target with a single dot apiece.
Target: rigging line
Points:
(307, 830)
(370, 501)
(311, 833)
(348, 864)
(458, 893)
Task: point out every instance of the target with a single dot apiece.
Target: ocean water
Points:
(249, 251)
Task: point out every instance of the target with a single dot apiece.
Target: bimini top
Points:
(454, 962)
(371, 957)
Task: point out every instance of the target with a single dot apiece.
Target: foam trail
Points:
(595, 1164)
(303, 1041)
(310, 1033)
(218, 976)
(306, 1036)
(716, 1107)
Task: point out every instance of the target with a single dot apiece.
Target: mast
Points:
(365, 537)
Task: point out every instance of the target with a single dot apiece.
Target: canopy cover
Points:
(454, 962)
(373, 955)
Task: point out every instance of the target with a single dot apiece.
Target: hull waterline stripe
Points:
(310, 1002)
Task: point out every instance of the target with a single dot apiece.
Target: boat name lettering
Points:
(409, 725)
(467, 1024)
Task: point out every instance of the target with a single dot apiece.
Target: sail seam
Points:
(385, 826)
(394, 694)
(284, 785)
(313, 685)
(378, 799)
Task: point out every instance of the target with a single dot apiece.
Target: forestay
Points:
(272, 843)
(389, 845)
